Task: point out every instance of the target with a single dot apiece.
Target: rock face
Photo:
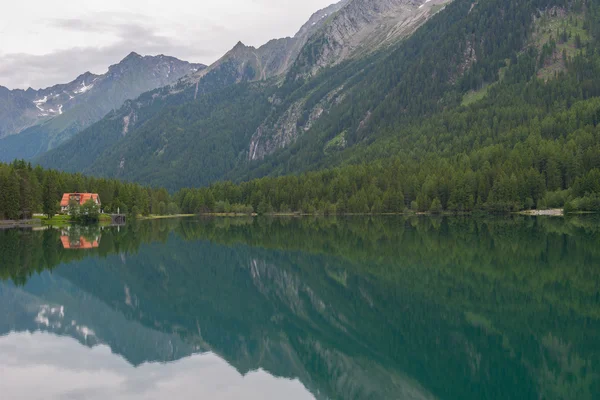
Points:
(363, 26)
(65, 109)
(359, 27)
(247, 63)
(270, 137)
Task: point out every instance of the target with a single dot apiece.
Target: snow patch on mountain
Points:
(40, 101)
(84, 88)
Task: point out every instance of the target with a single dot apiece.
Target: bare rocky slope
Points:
(361, 27)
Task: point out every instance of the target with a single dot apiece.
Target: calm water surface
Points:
(346, 308)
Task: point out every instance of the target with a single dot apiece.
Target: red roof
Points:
(83, 198)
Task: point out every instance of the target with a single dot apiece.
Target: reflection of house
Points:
(79, 243)
(79, 198)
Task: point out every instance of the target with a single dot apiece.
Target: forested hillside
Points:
(437, 77)
(478, 109)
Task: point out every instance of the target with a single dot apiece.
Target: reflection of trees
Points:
(25, 252)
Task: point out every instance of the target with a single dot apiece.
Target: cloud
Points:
(57, 43)
(29, 70)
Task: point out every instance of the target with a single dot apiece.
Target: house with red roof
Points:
(80, 198)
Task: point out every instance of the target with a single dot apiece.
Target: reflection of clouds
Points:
(63, 369)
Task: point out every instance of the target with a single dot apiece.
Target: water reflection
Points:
(351, 308)
(63, 369)
(80, 238)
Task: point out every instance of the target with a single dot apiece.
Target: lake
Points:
(303, 308)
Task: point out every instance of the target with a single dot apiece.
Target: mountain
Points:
(241, 64)
(33, 121)
(283, 102)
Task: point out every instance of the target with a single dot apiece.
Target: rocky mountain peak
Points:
(319, 18)
(130, 60)
(239, 45)
(363, 26)
(131, 56)
(240, 49)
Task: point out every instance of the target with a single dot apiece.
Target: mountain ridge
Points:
(52, 115)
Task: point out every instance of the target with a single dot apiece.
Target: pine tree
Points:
(436, 206)
(49, 200)
(11, 196)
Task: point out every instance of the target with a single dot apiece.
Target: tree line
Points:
(25, 190)
(494, 180)
(463, 184)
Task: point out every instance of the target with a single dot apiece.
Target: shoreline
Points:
(29, 223)
(555, 212)
(38, 221)
(154, 217)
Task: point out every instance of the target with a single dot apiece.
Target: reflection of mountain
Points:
(443, 308)
(53, 304)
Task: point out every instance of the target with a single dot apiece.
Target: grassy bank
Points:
(65, 220)
(557, 212)
(152, 217)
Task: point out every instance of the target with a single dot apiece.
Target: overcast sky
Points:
(43, 43)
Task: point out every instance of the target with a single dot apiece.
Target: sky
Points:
(43, 43)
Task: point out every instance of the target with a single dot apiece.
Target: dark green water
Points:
(347, 308)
